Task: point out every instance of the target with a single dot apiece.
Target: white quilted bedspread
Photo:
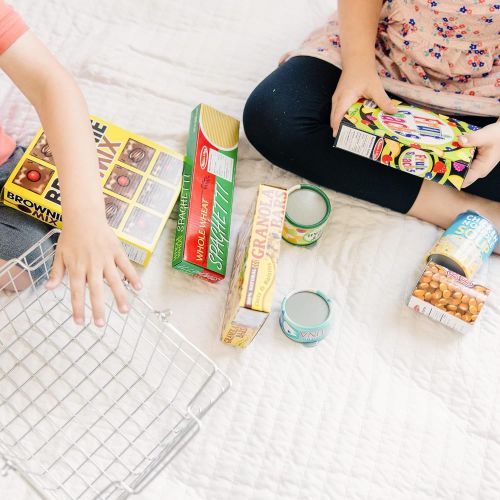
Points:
(391, 405)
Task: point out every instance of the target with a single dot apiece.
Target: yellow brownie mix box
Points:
(253, 276)
(141, 181)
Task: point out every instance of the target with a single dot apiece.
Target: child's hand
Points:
(487, 140)
(90, 252)
(354, 83)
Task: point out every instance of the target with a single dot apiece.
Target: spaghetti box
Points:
(141, 181)
(253, 277)
(448, 297)
(417, 141)
(205, 207)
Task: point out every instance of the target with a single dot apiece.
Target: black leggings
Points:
(287, 119)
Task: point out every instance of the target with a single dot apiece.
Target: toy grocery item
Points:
(141, 182)
(205, 207)
(251, 289)
(448, 298)
(307, 212)
(466, 244)
(306, 316)
(413, 140)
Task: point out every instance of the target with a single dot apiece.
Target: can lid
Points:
(307, 309)
(292, 214)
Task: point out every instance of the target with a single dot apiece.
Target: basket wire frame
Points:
(92, 413)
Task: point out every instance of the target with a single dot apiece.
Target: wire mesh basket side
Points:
(93, 413)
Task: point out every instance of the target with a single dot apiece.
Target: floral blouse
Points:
(443, 54)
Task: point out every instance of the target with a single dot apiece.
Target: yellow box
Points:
(253, 276)
(141, 182)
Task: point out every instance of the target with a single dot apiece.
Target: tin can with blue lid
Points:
(307, 211)
(466, 245)
(306, 316)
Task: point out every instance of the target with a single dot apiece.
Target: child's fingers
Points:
(96, 289)
(77, 285)
(383, 101)
(56, 273)
(479, 168)
(116, 284)
(128, 270)
(481, 137)
(339, 107)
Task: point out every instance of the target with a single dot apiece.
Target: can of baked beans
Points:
(466, 245)
(307, 211)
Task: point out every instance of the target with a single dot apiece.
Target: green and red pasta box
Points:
(205, 205)
(414, 140)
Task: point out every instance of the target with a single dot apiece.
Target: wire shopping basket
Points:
(86, 412)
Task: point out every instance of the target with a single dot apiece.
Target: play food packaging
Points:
(414, 140)
(305, 316)
(206, 200)
(466, 245)
(307, 212)
(141, 182)
(449, 298)
(253, 277)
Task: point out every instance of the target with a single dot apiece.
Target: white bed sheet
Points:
(392, 405)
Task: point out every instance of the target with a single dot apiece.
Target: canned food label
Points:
(301, 335)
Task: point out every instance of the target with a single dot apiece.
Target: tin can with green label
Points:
(307, 212)
(306, 316)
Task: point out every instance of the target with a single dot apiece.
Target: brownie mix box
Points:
(206, 200)
(141, 181)
(253, 276)
(417, 141)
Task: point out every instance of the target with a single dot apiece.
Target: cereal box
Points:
(448, 297)
(417, 141)
(205, 207)
(141, 182)
(254, 270)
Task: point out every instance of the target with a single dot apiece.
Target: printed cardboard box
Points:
(141, 182)
(253, 277)
(206, 200)
(448, 297)
(417, 141)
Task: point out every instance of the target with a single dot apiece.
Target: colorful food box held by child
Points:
(417, 141)
(253, 277)
(448, 297)
(141, 182)
(206, 200)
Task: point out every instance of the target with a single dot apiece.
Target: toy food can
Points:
(466, 244)
(307, 212)
(306, 316)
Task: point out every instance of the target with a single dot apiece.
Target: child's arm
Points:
(358, 31)
(88, 249)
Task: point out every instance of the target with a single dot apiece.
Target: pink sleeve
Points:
(11, 26)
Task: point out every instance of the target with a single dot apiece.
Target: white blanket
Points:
(391, 405)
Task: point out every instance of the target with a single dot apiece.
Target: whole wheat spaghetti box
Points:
(205, 206)
(414, 140)
(253, 277)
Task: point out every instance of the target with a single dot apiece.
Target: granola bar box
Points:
(414, 140)
(253, 276)
(141, 181)
(205, 206)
